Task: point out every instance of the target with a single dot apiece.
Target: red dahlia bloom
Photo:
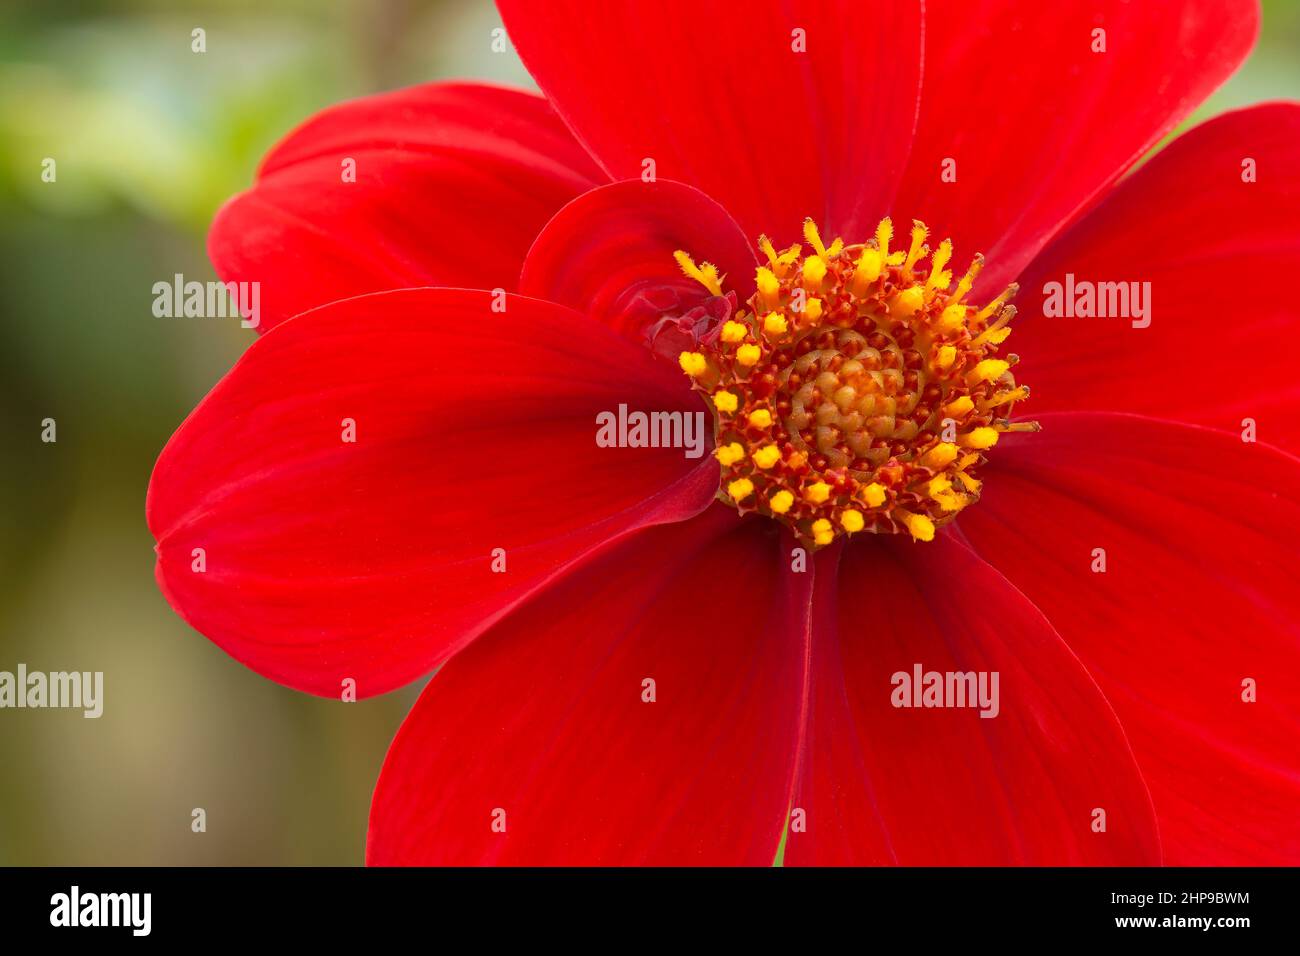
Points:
(639, 666)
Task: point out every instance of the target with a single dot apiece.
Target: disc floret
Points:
(857, 389)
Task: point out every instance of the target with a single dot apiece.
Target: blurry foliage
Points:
(150, 139)
(113, 91)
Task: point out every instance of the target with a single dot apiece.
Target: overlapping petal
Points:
(610, 252)
(1205, 239)
(881, 783)
(441, 184)
(1197, 534)
(474, 478)
(540, 743)
(1033, 119)
(779, 111)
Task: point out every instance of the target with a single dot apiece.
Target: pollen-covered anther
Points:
(725, 402)
(729, 453)
(857, 390)
(767, 456)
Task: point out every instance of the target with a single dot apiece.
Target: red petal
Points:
(544, 717)
(1218, 253)
(1038, 124)
(453, 183)
(714, 92)
(1199, 593)
(475, 430)
(610, 253)
(945, 786)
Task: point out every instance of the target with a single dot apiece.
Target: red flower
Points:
(1148, 711)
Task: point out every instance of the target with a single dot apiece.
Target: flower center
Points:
(859, 390)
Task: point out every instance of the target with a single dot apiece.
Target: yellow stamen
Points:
(986, 371)
(822, 531)
(693, 364)
(733, 332)
(968, 280)
(705, 274)
(774, 324)
(1003, 397)
(920, 527)
(852, 521)
(725, 402)
(939, 279)
(868, 269)
(909, 301)
(959, 407)
(996, 333)
(919, 232)
(996, 305)
(884, 233)
(814, 270)
(952, 319)
(817, 492)
(874, 494)
(728, 455)
(940, 489)
(786, 259)
(950, 501)
(981, 438)
(740, 489)
(812, 310)
(760, 418)
(940, 456)
(767, 456)
(769, 288)
(781, 502)
(814, 237)
(780, 263)
(748, 355)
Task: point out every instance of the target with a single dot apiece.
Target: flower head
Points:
(870, 411)
(647, 657)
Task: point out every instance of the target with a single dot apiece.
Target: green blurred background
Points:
(150, 138)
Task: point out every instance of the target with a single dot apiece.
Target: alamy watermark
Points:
(624, 429)
(922, 688)
(75, 908)
(76, 690)
(208, 300)
(1084, 299)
